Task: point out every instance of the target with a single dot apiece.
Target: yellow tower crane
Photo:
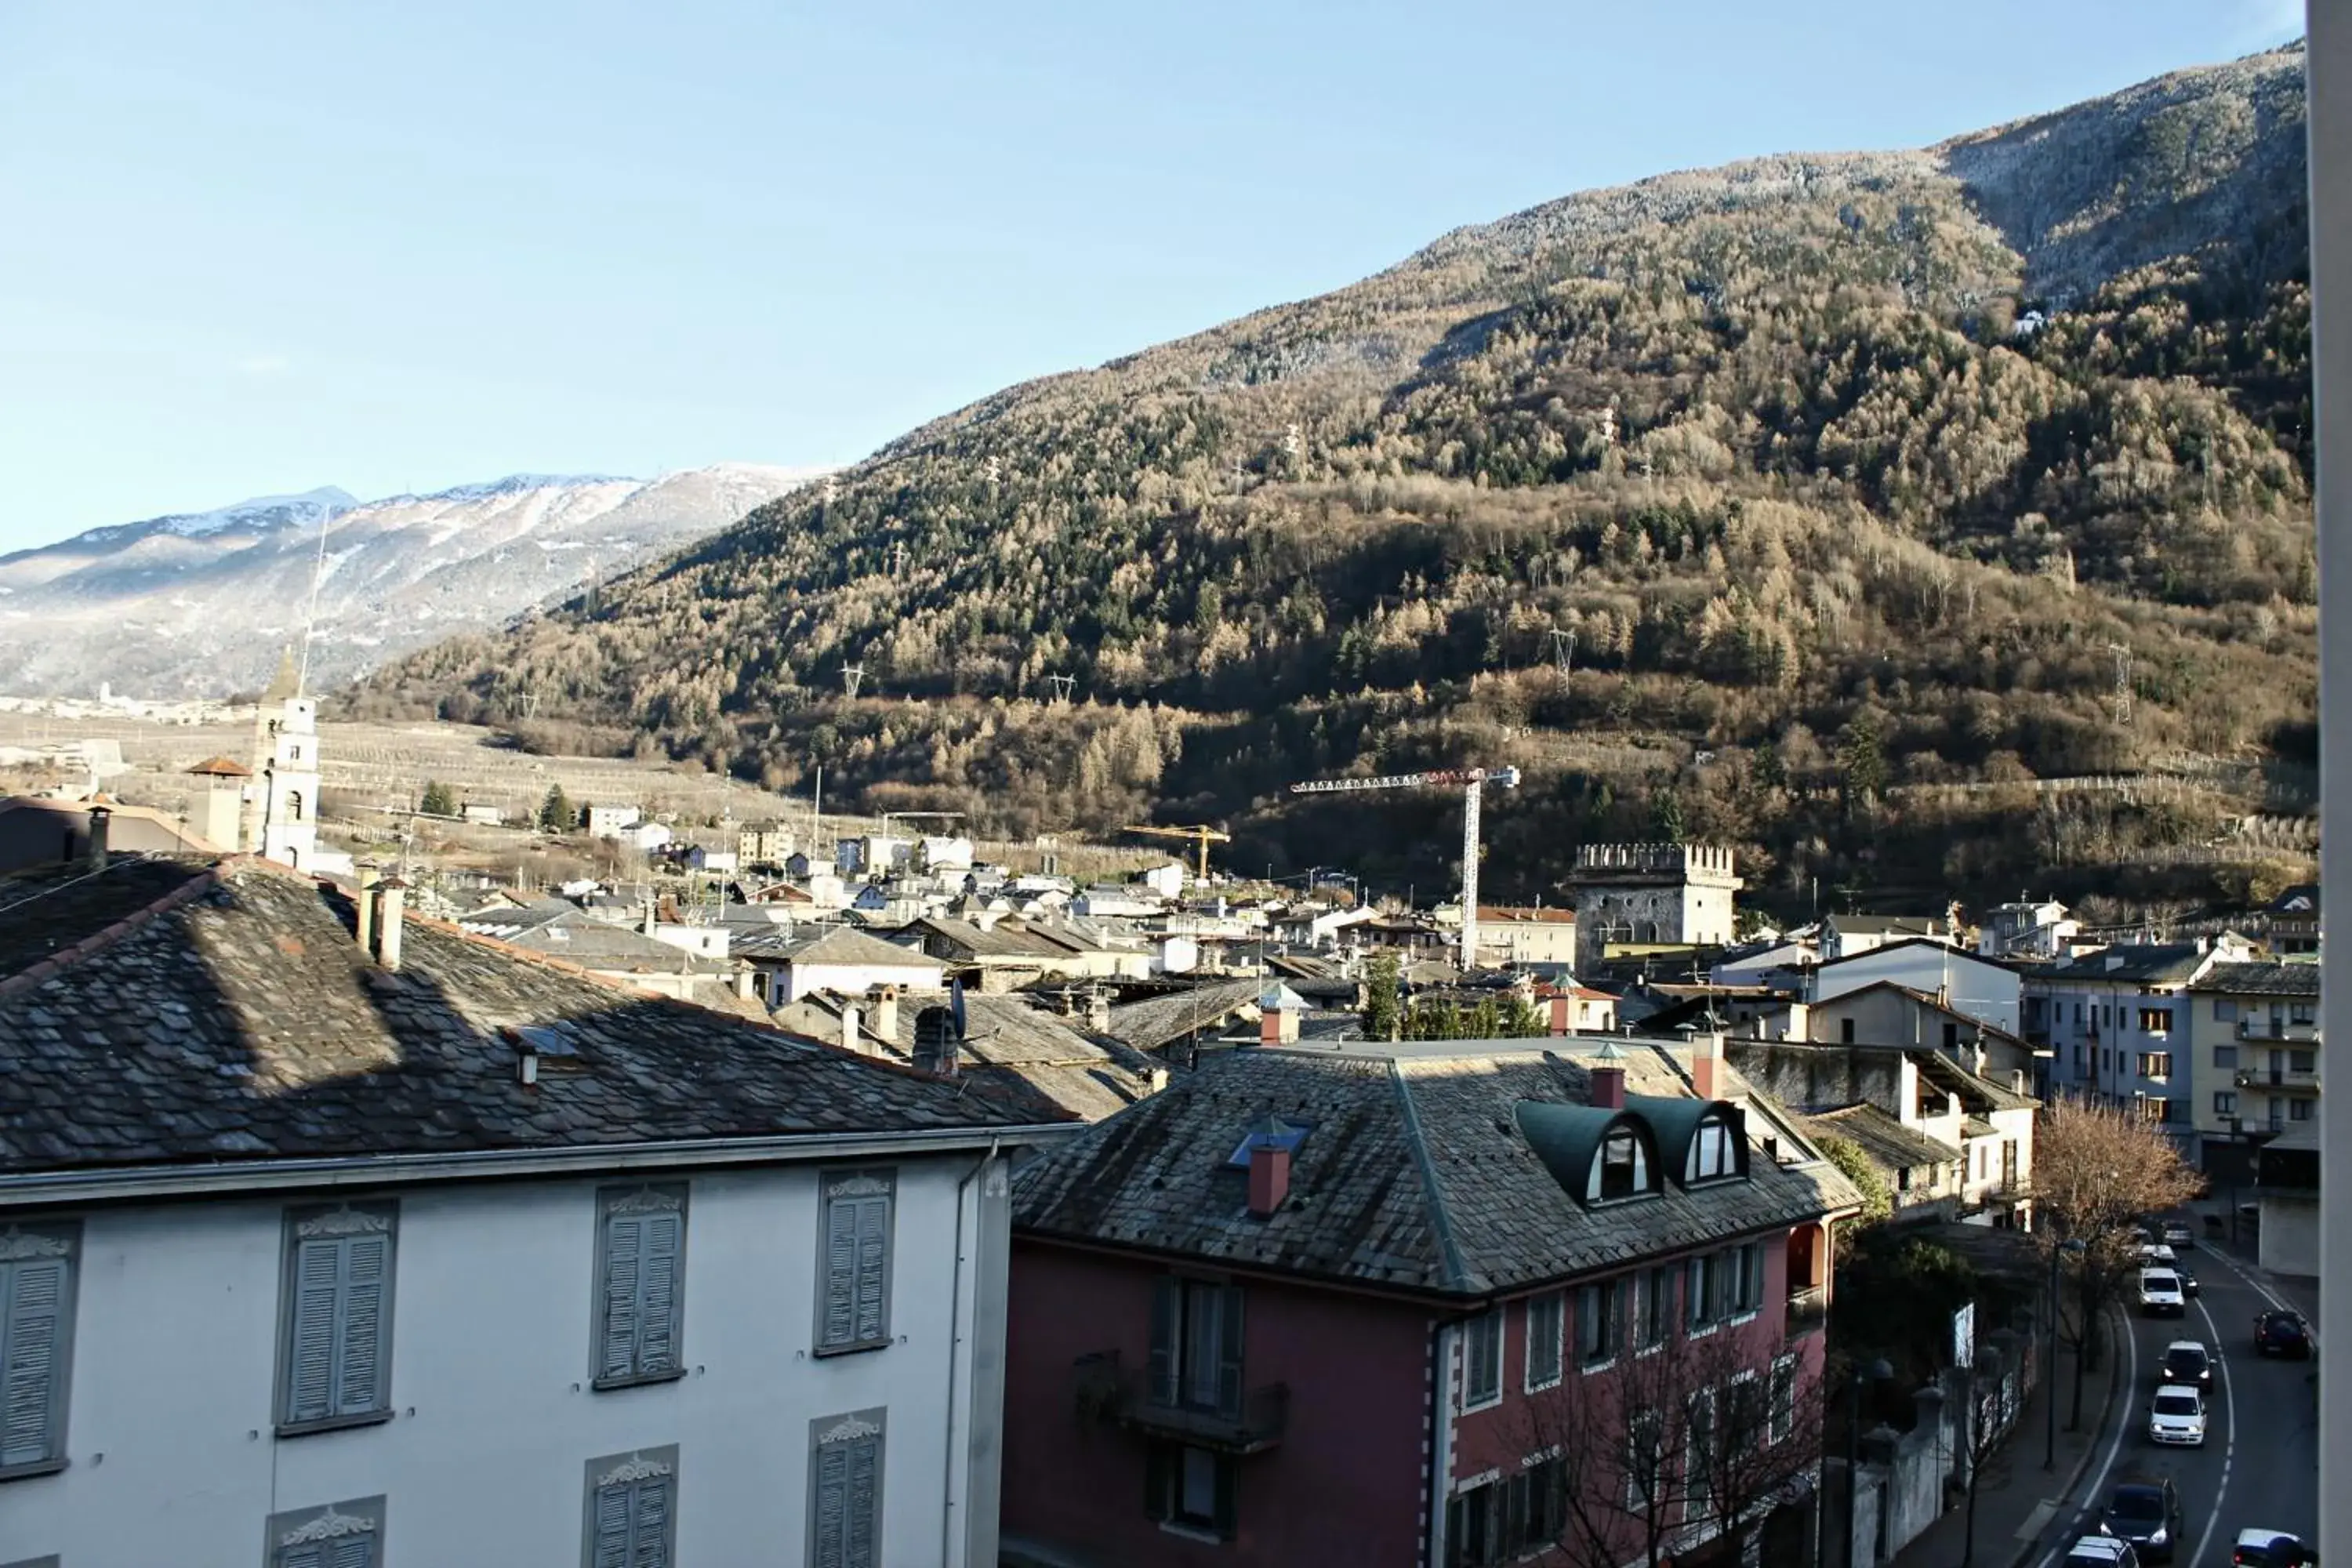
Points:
(1199, 837)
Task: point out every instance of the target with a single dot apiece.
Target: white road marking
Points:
(2116, 1443)
(2230, 1418)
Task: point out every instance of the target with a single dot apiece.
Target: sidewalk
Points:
(2022, 1508)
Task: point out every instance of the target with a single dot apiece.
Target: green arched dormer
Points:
(1701, 1140)
(1597, 1155)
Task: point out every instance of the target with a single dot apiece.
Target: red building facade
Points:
(1408, 1306)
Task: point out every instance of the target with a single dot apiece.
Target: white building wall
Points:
(1981, 990)
(797, 980)
(172, 1453)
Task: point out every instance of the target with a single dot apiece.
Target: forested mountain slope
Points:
(1844, 473)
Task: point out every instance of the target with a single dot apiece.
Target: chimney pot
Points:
(370, 875)
(388, 923)
(1269, 1179)
(849, 1038)
(100, 820)
(885, 1012)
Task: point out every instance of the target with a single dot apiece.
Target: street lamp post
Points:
(2050, 1360)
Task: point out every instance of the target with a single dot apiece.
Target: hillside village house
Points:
(2030, 929)
(2253, 1041)
(1525, 936)
(791, 963)
(1850, 936)
(1378, 1304)
(335, 1239)
(1886, 1014)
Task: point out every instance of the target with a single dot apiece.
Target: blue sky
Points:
(398, 244)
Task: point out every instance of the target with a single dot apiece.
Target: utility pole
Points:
(897, 558)
(1064, 686)
(1563, 650)
(851, 673)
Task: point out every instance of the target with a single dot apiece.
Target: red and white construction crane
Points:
(1471, 783)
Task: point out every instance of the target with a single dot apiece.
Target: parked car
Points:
(2282, 1334)
(2160, 1295)
(2101, 1551)
(2187, 1362)
(2272, 1549)
(2177, 1416)
(2178, 1234)
(2148, 1514)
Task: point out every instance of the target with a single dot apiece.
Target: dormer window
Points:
(1623, 1168)
(1714, 1151)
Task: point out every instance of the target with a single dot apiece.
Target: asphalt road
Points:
(2260, 1464)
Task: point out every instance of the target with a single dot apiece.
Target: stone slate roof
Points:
(1147, 1026)
(834, 945)
(1890, 1145)
(203, 1010)
(2301, 980)
(2131, 963)
(1414, 1174)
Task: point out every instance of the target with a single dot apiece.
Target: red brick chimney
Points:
(1562, 1022)
(1707, 1064)
(1269, 1179)
(1607, 1079)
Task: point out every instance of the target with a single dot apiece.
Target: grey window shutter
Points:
(360, 1362)
(832, 1506)
(1229, 1351)
(354, 1552)
(1166, 1306)
(32, 1295)
(624, 1254)
(873, 1268)
(1159, 1475)
(613, 1519)
(658, 1311)
(310, 1371)
(651, 1524)
(864, 1528)
(1225, 1505)
(840, 1326)
(309, 1554)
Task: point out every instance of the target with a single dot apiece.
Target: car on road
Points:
(2187, 1362)
(2176, 1417)
(2271, 1549)
(2177, 1234)
(2282, 1334)
(2188, 1286)
(2155, 1254)
(2101, 1551)
(2146, 1513)
(2160, 1295)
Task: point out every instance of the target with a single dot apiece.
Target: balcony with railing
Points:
(1808, 1311)
(2282, 1081)
(2280, 1028)
(1110, 1392)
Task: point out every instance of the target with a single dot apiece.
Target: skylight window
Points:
(1286, 1136)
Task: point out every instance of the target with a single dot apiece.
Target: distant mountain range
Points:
(198, 604)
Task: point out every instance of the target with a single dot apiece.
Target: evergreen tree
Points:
(439, 800)
(1383, 1014)
(555, 812)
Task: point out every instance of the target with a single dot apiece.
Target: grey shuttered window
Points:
(1482, 1358)
(640, 1284)
(1545, 1316)
(37, 1295)
(340, 1535)
(336, 1341)
(1195, 1355)
(844, 1506)
(853, 1272)
(632, 1511)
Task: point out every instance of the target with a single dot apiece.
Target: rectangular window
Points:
(853, 1274)
(2225, 1056)
(641, 1284)
(844, 1490)
(335, 1335)
(2156, 1020)
(2225, 1010)
(39, 1269)
(1711, 1152)
(1699, 1472)
(2225, 1102)
(1747, 1414)
(1544, 1318)
(1654, 1307)
(1749, 1283)
(1195, 1360)
(2156, 1064)
(2302, 1013)
(1190, 1488)
(339, 1535)
(1951, 1037)
(1482, 1359)
(1476, 1525)
(2303, 1061)
(1645, 1462)
(1535, 1509)
(1845, 1031)
(2298, 1110)
(1782, 1420)
(631, 1509)
(1600, 1328)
